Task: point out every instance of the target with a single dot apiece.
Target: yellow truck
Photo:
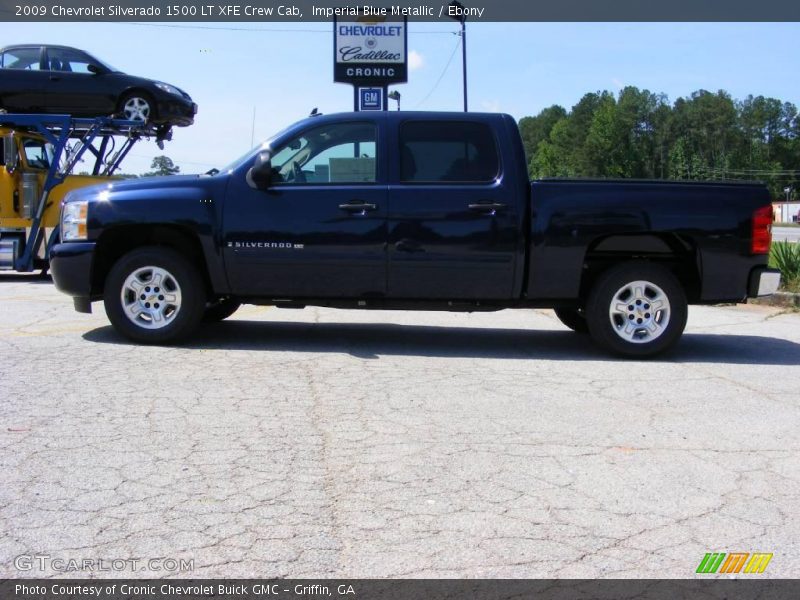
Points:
(38, 154)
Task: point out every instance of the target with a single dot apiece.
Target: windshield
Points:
(38, 154)
(102, 63)
(251, 154)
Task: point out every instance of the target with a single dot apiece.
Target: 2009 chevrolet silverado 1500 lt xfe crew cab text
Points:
(412, 211)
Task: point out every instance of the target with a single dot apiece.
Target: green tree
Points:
(551, 158)
(162, 165)
(536, 129)
(639, 134)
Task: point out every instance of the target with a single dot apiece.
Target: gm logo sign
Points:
(735, 562)
(370, 98)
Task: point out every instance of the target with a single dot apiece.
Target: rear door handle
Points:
(358, 207)
(487, 207)
(54, 78)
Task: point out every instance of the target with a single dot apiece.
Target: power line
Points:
(438, 81)
(184, 162)
(207, 28)
(257, 29)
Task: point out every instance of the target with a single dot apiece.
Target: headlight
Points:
(170, 89)
(73, 221)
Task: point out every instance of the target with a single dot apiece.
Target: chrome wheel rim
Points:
(136, 109)
(639, 312)
(151, 297)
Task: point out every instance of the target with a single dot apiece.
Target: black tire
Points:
(573, 318)
(637, 321)
(178, 295)
(220, 310)
(136, 98)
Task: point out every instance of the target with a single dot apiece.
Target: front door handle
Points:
(358, 207)
(487, 207)
(410, 246)
(54, 78)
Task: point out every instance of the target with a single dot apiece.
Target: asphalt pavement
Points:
(324, 443)
(784, 234)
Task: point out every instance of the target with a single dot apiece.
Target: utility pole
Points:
(462, 18)
(253, 129)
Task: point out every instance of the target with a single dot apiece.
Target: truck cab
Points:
(39, 154)
(25, 160)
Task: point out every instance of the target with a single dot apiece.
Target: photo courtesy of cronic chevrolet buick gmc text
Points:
(412, 211)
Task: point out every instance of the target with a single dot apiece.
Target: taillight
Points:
(762, 230)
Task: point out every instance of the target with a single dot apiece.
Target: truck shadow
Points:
(35, 278)
(372, 340)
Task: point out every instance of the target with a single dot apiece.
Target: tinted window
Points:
(340, 153)
(21, 58)
(38, 154)
(447, 151)
(68, 60)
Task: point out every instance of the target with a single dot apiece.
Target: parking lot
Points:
(322, 443)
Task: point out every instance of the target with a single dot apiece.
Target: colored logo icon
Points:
(735, 562)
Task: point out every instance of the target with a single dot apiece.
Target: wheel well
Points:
(676, 253)
(114, 243)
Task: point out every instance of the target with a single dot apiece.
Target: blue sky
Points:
(285, 70)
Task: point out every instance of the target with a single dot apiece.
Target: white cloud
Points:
(492, 106)
(618, 82)
(415, 61)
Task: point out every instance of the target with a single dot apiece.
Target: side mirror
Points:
(95, 70)
(260, 174)
(10, 154)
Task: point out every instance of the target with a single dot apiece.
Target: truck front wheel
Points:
(637, 309)
(221, 309)
(153, 295)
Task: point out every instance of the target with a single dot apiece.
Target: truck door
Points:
(319, 231)
(453, 216)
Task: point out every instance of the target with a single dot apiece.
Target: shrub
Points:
(785, 256)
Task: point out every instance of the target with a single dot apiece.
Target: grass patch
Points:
(792, 286)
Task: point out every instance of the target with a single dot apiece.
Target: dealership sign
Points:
(369, 51)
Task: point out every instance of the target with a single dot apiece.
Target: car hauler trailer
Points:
(38, 156)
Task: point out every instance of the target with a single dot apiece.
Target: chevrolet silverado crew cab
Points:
(412, 211)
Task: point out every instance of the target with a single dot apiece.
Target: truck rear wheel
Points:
(637, 309)
(153, 295)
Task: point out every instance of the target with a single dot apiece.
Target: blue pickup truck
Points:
(412, 211)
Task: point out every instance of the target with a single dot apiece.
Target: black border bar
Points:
(307, 11)
(754, 588)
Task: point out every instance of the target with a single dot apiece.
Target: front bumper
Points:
(763, 282)
(71, 266)
(175, 111)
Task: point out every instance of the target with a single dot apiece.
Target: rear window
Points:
(447, 151)
(21, 58)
